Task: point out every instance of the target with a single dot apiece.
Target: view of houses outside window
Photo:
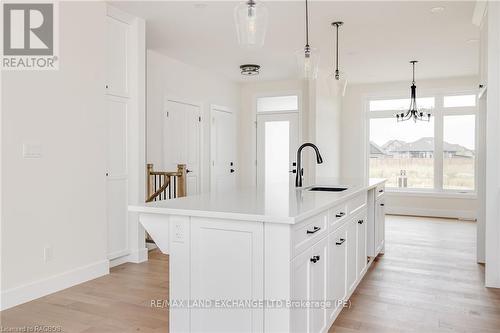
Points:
(404, 152)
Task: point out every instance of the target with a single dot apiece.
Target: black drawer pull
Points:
(340, 214)
(382, 205)
(380, 191)
(315, 259)
(361, 221)
(341, 241)
(315, 229)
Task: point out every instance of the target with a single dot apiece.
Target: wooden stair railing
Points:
(163, 185)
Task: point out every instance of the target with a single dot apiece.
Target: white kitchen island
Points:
(276, 260)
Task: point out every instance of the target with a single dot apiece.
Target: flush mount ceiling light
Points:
(337, 25)
(250, 69)
(308, 58)
(413, 112)
(251, 23)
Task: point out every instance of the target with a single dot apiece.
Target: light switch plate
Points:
(31, 150)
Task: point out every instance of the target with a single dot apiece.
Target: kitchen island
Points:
(273, 260)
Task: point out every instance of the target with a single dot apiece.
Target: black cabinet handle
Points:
(340, 214)
(361, 221)
(315, 229)
(315, 259)
(382, 205)
(232, 170)
(188, 171)
(340, 242)
(380, 191)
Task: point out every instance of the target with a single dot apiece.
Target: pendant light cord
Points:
(307, 25)
(413, 73)
(337, 52)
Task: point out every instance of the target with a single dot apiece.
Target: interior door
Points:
(181, 141)
(117, 176)
(222, 151)
(277, 143)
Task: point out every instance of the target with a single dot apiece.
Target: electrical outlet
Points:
(179, 232)
(47, 253)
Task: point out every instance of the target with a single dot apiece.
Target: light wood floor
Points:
(427, 281)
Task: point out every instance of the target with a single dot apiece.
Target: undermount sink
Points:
(327, 189)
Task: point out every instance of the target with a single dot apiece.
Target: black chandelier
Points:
(413, 112)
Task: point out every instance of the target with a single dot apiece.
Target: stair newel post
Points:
(149, 181)
(181, 185)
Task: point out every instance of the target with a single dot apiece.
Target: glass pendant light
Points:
(308, 58)
(413, 111)
(251, 23)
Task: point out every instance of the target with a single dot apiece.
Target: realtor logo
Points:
(29, 36)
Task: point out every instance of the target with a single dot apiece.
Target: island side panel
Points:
(227, 265)
(179, 273)
(277, 276)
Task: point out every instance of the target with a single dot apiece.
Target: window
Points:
(409, 154)
(402, 152)
(459, 152)
(278, 103)
(400, 104)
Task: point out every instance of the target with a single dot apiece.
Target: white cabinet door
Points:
(300, 291)
(337, 267)
(181, 141)
(227, 263)
(379, 224)
(351, 236)
(362, 256)
(116, 57)
(318, 285)
(222, 150)
(117, 176)
(309, 283)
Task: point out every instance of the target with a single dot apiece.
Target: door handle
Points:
(315, 229)
(315, 259)
(340, 242)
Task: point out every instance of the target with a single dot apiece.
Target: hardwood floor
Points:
(427, 281)
(118, 302)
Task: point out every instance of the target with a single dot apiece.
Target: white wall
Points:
(353, 148)
(492, 275)
(328, 108)
(172, 78)
(59, 199)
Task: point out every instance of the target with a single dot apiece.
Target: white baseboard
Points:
(455, 214)
(33, 290)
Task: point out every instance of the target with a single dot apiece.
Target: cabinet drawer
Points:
(380, 190)
(308, 232)
(336, 216)
(356, 203)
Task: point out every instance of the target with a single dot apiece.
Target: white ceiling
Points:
(377, 40)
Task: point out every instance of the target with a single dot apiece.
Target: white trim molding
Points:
(36, 289)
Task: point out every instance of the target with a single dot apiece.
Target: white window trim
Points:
(439, 112)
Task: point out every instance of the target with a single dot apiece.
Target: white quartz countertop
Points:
(276, 204)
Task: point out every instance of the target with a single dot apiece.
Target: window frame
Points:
(439, 112)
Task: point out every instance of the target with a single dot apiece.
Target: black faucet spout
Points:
(319, 160)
